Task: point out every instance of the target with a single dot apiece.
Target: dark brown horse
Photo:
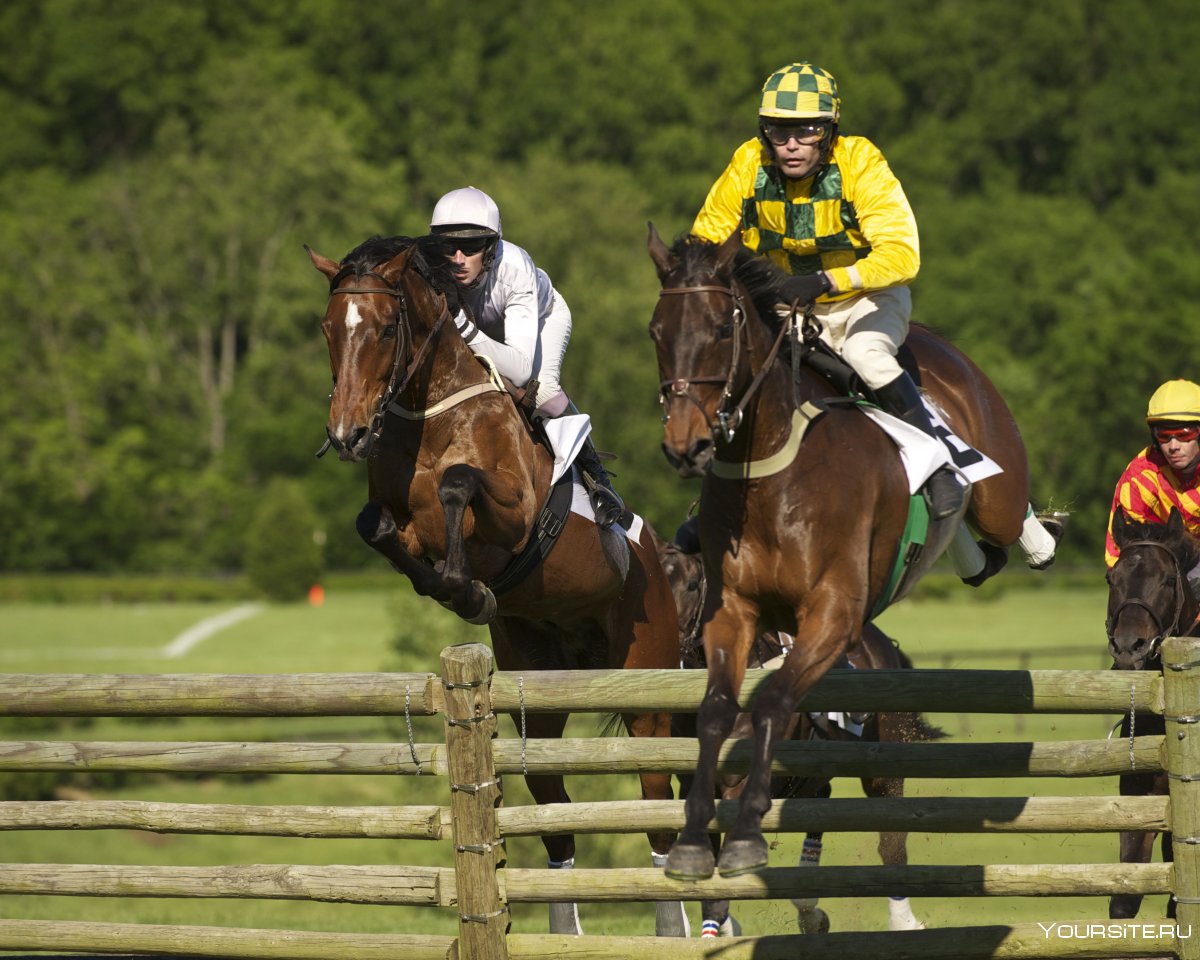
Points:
(795, 537)
(875, 651)
(456, 488)
(1148, 599)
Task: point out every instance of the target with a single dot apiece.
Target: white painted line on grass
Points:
(199, 632)
(186, 641)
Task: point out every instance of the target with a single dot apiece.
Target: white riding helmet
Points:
(466, 212)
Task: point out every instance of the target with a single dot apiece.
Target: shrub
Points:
(283, 558)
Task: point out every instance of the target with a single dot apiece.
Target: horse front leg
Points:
(1137, 846)
(377, 527)
(727, 638)
(492, 497)
(825, 634)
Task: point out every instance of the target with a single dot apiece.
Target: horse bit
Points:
(395, 382)
(727, 421)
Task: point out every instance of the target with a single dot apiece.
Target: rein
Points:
(1178, 593)
(726, 421)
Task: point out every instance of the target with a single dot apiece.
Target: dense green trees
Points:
(162, 162)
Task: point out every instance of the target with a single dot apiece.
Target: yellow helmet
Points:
(800, 91)
(1175, 400)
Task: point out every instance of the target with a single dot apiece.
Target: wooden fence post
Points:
(1181, 708)
(470, 725)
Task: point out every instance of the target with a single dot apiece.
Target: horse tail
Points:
(611, 725)
(916, 728)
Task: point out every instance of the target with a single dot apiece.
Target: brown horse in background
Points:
(1149, 598)
(808, 546)
(874, 651)
(456, 485)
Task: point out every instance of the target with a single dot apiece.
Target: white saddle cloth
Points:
(922, 454)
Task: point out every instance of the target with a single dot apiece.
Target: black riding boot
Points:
(606, 502)
(902, 399)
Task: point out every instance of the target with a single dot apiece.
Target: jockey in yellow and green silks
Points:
(827, 209)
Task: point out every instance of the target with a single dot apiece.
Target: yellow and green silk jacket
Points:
(851, 220)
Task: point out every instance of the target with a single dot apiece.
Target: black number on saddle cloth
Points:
(963, 455)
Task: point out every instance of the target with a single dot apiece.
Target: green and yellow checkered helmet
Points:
(800, 91)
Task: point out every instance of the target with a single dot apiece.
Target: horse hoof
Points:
(813, 921)
(375, 523)
(487, 610)
(742, 856)
(690, 862)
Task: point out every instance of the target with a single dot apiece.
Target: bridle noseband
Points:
(1178, 594)
(403, 360)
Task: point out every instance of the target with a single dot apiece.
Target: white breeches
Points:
(553, 337)
(867, 330)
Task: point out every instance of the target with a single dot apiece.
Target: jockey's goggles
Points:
(803, 133)
(467, 246)
(1182, 434)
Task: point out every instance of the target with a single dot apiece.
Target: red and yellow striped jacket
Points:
(1148, 491)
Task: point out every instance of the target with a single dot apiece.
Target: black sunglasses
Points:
(468, 246)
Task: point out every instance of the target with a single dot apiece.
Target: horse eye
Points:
(388, 332)
(725, 330)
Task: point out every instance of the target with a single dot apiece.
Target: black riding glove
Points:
(805, 289)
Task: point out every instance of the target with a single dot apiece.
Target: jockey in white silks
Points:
(516, 319)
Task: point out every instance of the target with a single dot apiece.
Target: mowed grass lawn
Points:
(396, 631)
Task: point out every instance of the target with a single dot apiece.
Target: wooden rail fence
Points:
(468, 696)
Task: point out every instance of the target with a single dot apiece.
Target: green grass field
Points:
(395, 631)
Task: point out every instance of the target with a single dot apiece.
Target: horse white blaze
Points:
(353, 319)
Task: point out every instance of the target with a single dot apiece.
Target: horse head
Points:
(698, 328)
(380, 300)
(1148, 593)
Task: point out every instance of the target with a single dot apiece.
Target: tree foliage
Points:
(164, 364)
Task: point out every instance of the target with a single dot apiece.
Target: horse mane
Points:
(1181, 543)
(427, 260)
(756, 273)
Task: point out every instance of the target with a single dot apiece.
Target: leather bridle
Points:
(403, 359)
(725, 422)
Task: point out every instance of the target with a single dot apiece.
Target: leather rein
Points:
(403, 359)
(1178, 592)
(726, 421)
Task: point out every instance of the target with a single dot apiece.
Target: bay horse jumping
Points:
(1148, 599)
(799, 530)
(456, 486)
(875, 651)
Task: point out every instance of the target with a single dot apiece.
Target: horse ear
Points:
(391, 270)
(664, 260)
(1120, 528)
(1174, 524)
(726, 252)
(324, 264)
